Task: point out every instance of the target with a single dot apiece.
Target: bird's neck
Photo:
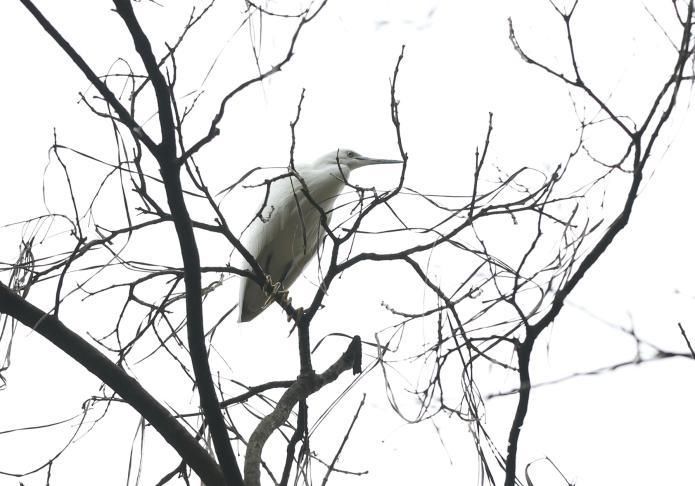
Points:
(324, 185)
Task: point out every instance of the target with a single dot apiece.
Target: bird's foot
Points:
(270, 287)
(276, 293)
(272, 290)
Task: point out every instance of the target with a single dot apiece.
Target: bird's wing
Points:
(284, 241)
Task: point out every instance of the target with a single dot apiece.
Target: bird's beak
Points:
(361, 161)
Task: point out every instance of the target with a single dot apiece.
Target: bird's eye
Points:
(350, 154)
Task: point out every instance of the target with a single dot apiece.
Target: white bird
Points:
(287, 236)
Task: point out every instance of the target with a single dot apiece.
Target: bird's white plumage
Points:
(288, 235)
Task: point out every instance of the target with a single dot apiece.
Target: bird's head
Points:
(345, 160)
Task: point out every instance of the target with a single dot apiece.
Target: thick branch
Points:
(171, 175)
(110, 98)
(524, 356)
(195, 324)
(642, 152)
(127, 387)
(300, 390)
(161, 89)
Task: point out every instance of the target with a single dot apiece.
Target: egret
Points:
(288, 233)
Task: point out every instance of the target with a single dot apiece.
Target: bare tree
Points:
(162, 185)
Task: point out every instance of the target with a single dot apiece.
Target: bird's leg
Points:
(275, 292)
(271, 289)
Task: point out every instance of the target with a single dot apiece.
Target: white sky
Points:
(634, 426)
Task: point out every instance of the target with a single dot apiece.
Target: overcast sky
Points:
(632, 426)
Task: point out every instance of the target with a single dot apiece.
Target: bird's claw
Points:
(272, 289)
(275, 292)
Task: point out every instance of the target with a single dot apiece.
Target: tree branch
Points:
(300, 390)
(127, 387)
(110, 98)
(642, 153)
(171, 175)
(161, 89)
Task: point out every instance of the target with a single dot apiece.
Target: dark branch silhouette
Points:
(486, 309)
